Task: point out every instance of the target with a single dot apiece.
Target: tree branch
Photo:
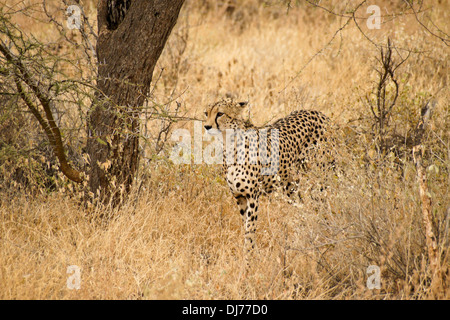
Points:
(48, 123)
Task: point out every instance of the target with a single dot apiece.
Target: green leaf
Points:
(101, 141)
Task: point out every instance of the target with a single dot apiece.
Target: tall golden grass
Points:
(179, 235)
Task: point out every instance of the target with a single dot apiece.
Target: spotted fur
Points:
(292, 145)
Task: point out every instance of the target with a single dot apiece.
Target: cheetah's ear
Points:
(241, 106)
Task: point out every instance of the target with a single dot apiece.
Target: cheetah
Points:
(257, 160)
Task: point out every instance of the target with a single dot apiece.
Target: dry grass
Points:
(180, 235)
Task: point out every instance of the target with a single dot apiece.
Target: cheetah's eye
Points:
(206, 113)
(219, 114)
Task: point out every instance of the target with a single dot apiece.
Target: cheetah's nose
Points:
(208, 127)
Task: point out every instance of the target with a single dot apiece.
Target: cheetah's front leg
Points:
(248, 208)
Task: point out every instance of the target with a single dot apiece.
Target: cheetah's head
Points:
(225, 114)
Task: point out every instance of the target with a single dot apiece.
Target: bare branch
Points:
(48, 124)
(446, 40)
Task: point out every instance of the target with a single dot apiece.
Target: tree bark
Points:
(127, 52)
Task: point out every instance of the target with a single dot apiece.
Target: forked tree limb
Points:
(47, 122)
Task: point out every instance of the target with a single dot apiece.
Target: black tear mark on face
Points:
(217, 124)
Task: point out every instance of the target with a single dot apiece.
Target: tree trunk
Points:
(131, 37)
